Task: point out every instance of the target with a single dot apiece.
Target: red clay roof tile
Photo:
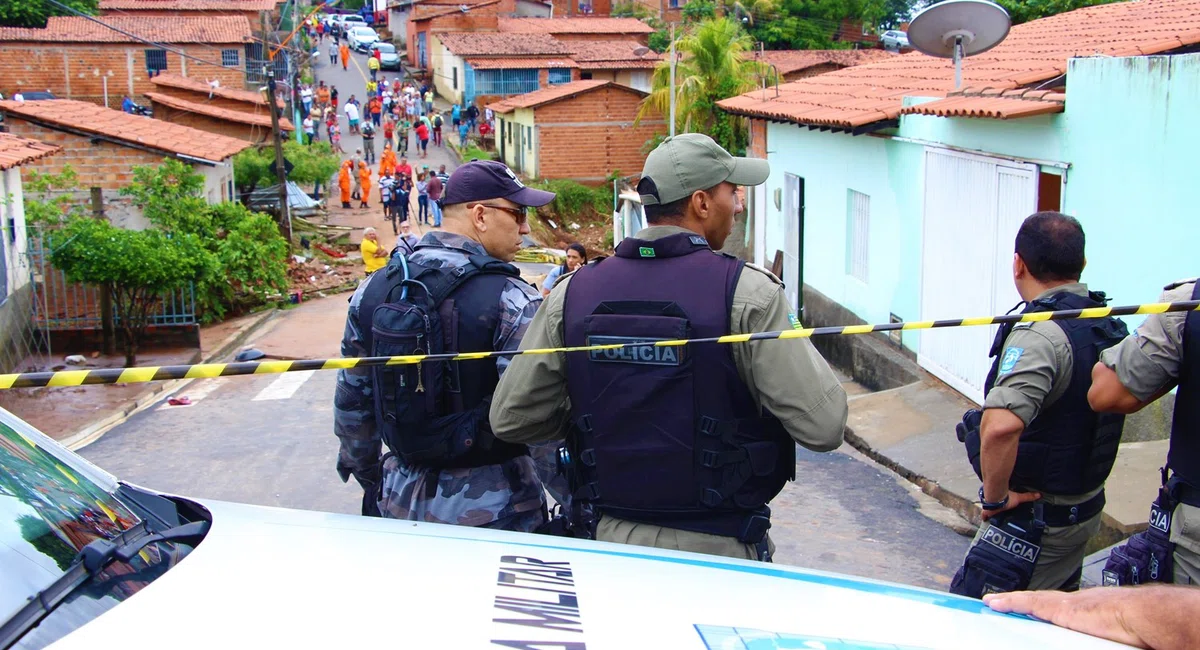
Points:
(188, 5)
(429, 12)
(262, 118)
(1012, 104)
(611, 55)
(789, 61)
(135, 129)
(467, 44)
(549, 94)
(178, 29)
(15, 150)
(1034, 52)
(596, 25)
(185, 83)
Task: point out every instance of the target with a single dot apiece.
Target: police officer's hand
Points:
(1014, 499)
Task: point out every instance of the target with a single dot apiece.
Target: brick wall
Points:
(758, 138)
(102, 164)
(567, 38)
(74, 70)
(811, 71)
(248, 132)
(218, 102)
(591, 135)
(482, 19)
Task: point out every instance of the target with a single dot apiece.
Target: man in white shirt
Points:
(352, 115)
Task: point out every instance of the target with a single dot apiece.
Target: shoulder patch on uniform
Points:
(794, 321)
(751, 265)
(1179, 283)
(1010, 359)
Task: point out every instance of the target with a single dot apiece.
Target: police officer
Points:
(676, 447)
(1164, 353)
(1041, 452)
(490, 484)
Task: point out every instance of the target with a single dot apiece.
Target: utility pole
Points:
(285, 218)
(671, 133)
(106, 307)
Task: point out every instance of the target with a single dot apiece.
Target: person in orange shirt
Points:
(387, 162)
(364, 177)
(344, 52)
(344, 183)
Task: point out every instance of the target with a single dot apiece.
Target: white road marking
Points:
(284, 386)
(196, 390)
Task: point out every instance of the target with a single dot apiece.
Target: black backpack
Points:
(427, 412)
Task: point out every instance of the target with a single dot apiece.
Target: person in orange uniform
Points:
(344, 52)
(387, 162)
(344, 182)
(364, 177)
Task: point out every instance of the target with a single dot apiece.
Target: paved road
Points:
(269, 440)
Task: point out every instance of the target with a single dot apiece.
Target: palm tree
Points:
(714, 63)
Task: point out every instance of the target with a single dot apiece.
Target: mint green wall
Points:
(1133, 182)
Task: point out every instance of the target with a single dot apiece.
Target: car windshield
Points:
(385, 48)
(50, 510)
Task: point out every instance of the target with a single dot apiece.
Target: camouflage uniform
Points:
(507, 496)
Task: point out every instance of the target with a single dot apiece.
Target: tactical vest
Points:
(458, 393)
(1068, 449)
(1184, 455)
(668, 435)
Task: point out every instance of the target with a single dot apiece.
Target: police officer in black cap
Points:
(676, 447)
(1042, 453)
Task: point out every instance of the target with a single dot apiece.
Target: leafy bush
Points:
(576, 201)
(311, 164)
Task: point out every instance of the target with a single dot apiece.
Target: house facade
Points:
(478, 67)
(235, 113)
(15, 292)
(399, 13)
(906, 207)
(625, 62)
(582, 130)
(78, 59)
(103, 146)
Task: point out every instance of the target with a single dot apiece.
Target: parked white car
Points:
(893, 39)
(361, 38)
(91, 562)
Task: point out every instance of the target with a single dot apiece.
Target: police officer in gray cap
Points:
(675, 447)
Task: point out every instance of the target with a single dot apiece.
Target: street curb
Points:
(1110, 531)
(96, 430)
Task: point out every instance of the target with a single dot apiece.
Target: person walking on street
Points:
(306, 98)
(472, 116)
(438, 121)
(344, 53)
(1041, 452)
(310, 129)
(445, 467)
(333, 52)
(463, 130)
(387, 162)
(335, 138)
(323, 95)
(401, 192)
(423, 139)
(433, 188)
(1162, 354)
(352, 114)
(344, 175)
(678, 452)
(428, 101)
(402, 129)
(333, 98)
(422, 199)
(373, 67)
(386, 184)
(389, 130)
(456, 115)
(364, 178)
(355, 164)
(375, 107)
(368, 143)
(443, 176)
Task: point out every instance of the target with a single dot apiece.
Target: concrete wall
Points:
(12, 229)
(77, 70)
(638, 79)
(15, 312)
(448, 72)
(518, 119)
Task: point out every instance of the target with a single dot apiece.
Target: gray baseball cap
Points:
(693, 161)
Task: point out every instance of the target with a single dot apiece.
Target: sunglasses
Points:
(518, 213)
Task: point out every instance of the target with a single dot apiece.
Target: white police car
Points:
(89, 562)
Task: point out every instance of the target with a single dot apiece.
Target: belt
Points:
(1184, 492)
(1061, 516)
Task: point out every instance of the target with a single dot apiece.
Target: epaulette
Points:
(751, 265)
(1179, 283)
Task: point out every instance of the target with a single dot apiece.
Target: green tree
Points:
(311, 164)
(34, 13)
(135, 266)
(46, 196)
(713, 65)
(170, 196)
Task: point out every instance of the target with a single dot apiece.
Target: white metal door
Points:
(791, 246)
(973, 206)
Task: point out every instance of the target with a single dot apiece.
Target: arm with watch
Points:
(999, 434)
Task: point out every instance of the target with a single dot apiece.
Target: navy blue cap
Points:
(481, 180)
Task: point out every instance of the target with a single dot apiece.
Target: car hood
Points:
(388, 57)
(268, 577)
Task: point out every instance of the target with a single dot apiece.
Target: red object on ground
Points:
(329, 251)
(179, 401)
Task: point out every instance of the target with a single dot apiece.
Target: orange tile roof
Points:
(609, 55)
(177, 29)
(789, 61)
(1034, 52)
(172, 80)
(468, 44)
(87, 117)
(996, 104)
(189, 5)
(574, 26)
(428, 12)
(262, 118)
(15, 150)
(521, 63)
(550, 94)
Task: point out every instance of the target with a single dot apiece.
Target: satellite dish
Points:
(956, 29)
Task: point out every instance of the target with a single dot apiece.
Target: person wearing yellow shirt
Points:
(373, 254)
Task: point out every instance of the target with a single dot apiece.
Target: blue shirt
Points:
(456, 112)
(552, 277)
(127, 105)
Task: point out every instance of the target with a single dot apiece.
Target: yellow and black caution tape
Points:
(208, 370)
